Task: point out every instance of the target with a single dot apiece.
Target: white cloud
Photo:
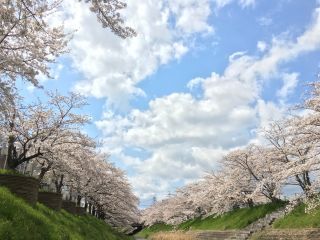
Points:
(236, 55)
(290, 82)
(191, 16)
(265, 21)
(185, 136)
(112, 68)
(262, 46)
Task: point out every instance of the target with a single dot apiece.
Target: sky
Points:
(200, 79)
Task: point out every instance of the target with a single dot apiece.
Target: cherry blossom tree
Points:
(255, 166)
(29, 43)
(256, 172)
(297, 153)
(73, 145)
(108, 15)
(38, 130)
(103, 188)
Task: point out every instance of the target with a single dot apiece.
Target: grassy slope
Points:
(18, 220)
(236, 219)
(159, 227)
(299, 219)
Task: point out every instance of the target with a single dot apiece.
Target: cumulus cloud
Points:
(112, 67)
(184, 135)
(198, 11)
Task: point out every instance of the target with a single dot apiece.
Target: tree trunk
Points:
(90, 208)
(43, 171)
(86, 204)
(59, 184)
(79, 200)
(11, 152)
(93, 213)
(250, 202)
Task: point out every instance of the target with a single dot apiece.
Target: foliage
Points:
(49, 135)
(29, 43)
(44, 129)
(18, 221)
(108, 15)
(47, 139)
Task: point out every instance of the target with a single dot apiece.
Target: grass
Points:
(159, 227)
(298, 219)
(20, 221)
(10, 172)
(236, 219)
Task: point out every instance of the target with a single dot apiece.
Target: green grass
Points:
(20, 221)
(159, 227)
(236, 219)
(10, 172)
(299, 219)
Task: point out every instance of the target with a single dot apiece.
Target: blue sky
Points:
(200, 79)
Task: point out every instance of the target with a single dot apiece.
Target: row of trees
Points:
(255, 173)
(46, 138)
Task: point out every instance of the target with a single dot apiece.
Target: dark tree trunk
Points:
(44, 170)
(11, 153)
(250, 202)
(275, 199)
(90, 208)
(85, 204)
(13, 159)
(304, 182)
(79, 200)
(59, 183)
(93, 213)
